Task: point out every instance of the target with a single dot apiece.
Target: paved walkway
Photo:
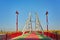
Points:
(32, 36)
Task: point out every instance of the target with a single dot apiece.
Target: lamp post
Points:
(47, 19)
(17, 21)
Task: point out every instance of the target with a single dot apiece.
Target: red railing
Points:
(55, 35)
(52, 35)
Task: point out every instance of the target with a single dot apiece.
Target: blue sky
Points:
(9, 7)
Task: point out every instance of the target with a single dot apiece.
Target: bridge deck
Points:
(32, 36)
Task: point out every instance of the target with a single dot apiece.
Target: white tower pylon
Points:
(38, 26)
(28, 25)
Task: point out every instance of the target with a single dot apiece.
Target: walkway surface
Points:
(32, 36)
